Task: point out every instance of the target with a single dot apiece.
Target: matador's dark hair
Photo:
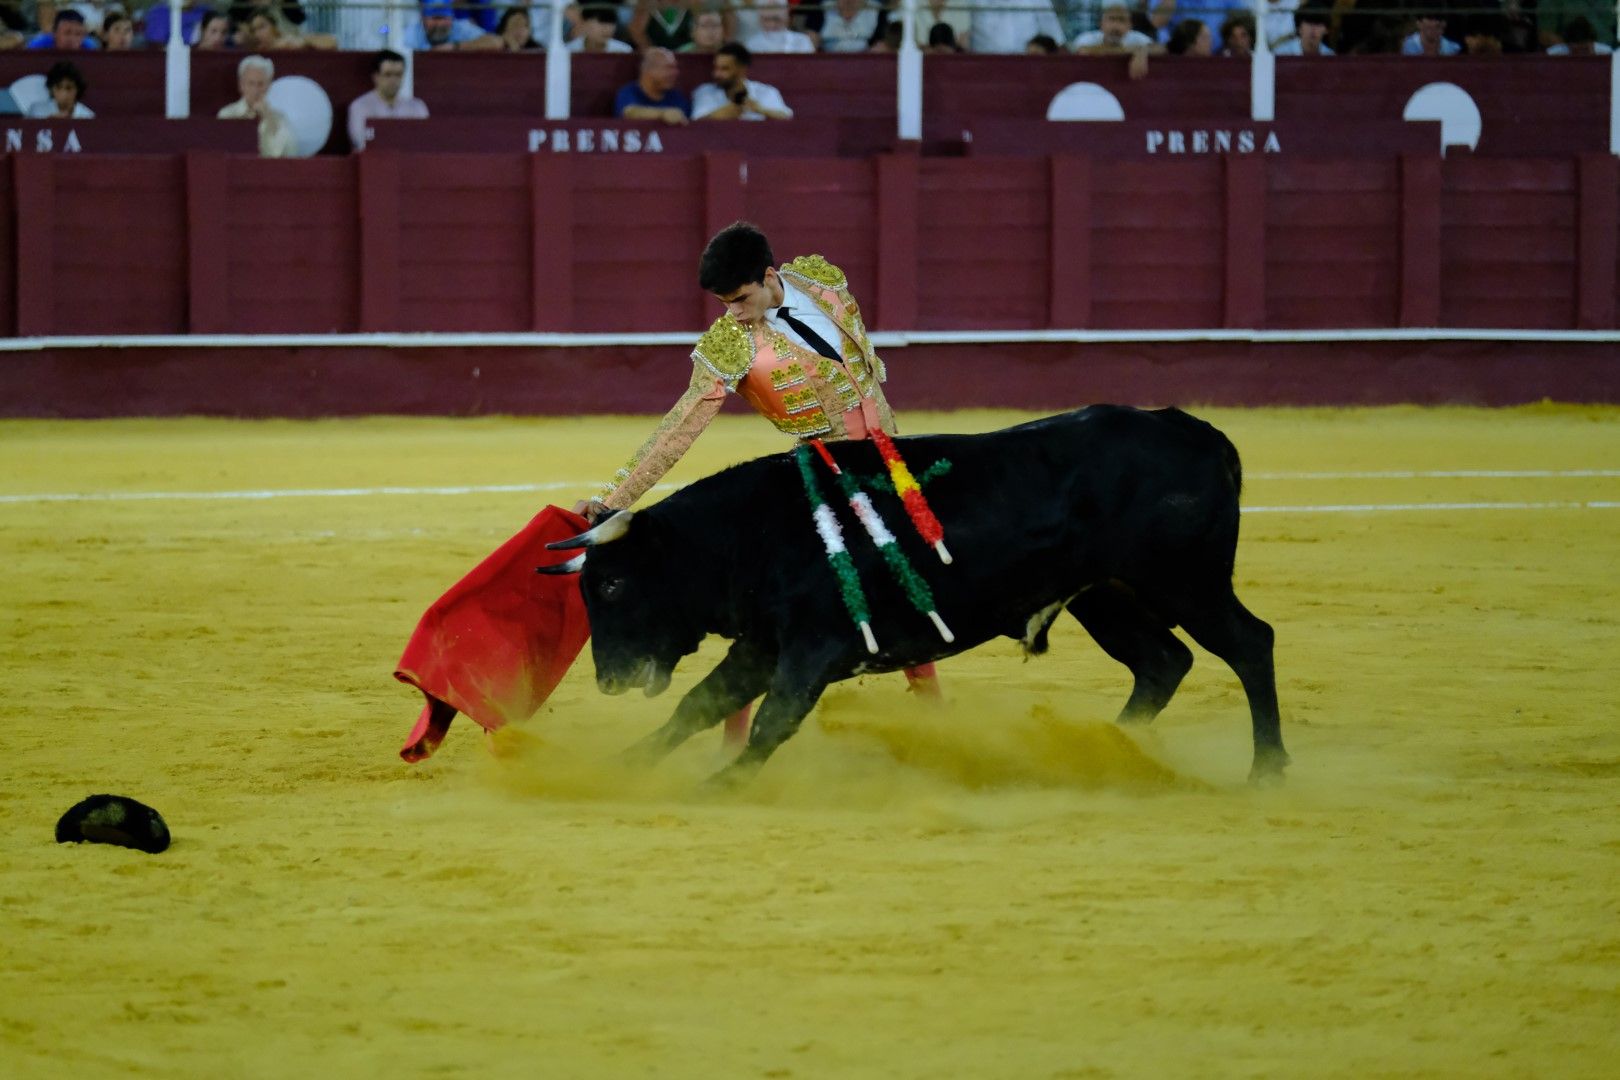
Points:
(738, 254)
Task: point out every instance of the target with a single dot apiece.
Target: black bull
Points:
(1126, 519)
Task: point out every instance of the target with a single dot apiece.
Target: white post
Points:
(397, 42)
(1263, 70)
(910, 74)
(176, 69)
(559, 78)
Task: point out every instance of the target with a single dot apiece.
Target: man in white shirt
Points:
(1430, 39)
(1310, 27)
(1114, 33)
(1005, 26)
(385, 102)
(597, 27)
(850, 26)
(733, 95)
(774, 35)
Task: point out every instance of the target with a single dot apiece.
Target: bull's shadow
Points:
(1127, 519)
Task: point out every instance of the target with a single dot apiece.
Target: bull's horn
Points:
(604, 532)
(570, 566)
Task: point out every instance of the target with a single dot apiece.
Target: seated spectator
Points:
(1006, 26)
(1482, 34)
(1043, 45)
(708, 33)
(384, 101)
(657, 25)
(851, 26)
(1580, 39)
(774, 35)
(267, 31)
(67, 87)
(889, 39)
(253, 78)
(1114, 34)
(951, 13)
(598, 25)
(733, 95)
(515, 31)
(68, 33)
(438, 29)
(942, 39)
(654, 96)
(1310, 27)
(1237, 35)
(1190, 37)
(117, 32)
(1278, 24)
(155, 22)
(1430, 39)
(213, 32)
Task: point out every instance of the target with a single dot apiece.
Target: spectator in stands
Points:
(774, 35)
(658, 25)
(117, 32)
(155, 23)
(1482, 34)
(384, 101)
(1237, 35)
(654, 96)
(951, 13)
(440, 30)
(889, 39)
(67, 87)
(213, 32)
(515, 30)
(1190, 37)
(253, 77)
(1430, 39)
(708, 33)
(1043, 45)
(1310, 27)
(1114, 34)
(68, 33)
(851, 26)
(1278, 25)
(1005, 26)
(267, 31)
(1580, 39)
(942, 40)
(733, 95)
(599, 22)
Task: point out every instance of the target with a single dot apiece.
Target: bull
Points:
(1126, 519)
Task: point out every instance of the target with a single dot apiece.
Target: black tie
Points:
(811, 338)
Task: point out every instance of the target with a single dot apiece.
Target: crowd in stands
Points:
(1176, 27)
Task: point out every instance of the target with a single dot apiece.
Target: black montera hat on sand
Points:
(114, 819)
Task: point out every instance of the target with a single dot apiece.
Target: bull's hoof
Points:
(1267, 770)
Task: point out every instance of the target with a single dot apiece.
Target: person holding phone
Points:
(732, 95)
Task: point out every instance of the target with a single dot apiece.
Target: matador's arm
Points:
(673, 436)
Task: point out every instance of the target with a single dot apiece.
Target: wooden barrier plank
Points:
(207, 245)
(1595, 238)
(34, 184)
(725, 179)
(1069, 265)
(1245, 206)
(898, 177)
(551, 266)
(378, 177)
(1420, 241)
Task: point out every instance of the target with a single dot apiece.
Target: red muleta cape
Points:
(498, 643)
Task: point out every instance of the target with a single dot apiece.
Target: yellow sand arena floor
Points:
(1012, 888)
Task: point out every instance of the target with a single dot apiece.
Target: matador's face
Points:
(749, 303)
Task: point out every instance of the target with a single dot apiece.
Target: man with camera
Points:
(733, 95)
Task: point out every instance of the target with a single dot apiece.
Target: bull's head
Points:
(641, 624)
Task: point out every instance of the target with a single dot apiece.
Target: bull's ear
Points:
(606, 531)
(568, 566)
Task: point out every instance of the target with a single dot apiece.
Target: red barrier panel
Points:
(518, 242)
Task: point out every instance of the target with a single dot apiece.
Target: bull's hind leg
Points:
(1140, 640)
(1229, 630)
(742, 676)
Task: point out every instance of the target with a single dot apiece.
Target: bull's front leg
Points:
(739, 678)
(794, 691)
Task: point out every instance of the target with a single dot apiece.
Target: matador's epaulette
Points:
(727, 349)
(818, 270)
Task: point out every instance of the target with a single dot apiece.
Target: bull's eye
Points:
(612, 588)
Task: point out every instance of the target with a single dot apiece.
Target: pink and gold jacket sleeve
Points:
(669, 441)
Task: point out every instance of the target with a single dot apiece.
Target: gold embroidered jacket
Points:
(805, 394)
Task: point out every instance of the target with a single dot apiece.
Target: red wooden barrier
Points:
(491, 242)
